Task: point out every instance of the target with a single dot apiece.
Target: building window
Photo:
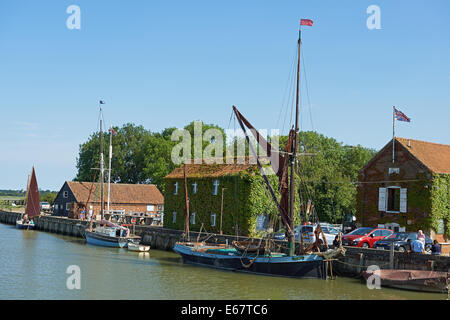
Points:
(192, 219)
(194, 188)
(175, 191)
(150, 208)
(392, 199)
(213, 219)
(67, 206)
(160, 207)
(65, 194)
(174, 217)
(262, 222)
(441, 227)
(394, 170)
(216, 187)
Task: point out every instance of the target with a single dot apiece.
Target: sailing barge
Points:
(246, 257)
(107, 234)
(226, 257)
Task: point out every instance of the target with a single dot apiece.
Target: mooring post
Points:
(391, 257)
(361, 259)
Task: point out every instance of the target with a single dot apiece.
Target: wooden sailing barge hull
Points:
(104, 240)
(416, 280)
(307, 266)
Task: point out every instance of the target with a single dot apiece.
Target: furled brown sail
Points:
(33, 207)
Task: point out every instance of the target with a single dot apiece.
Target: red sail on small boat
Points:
(32, 208)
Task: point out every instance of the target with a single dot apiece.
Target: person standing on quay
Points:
(421, 237)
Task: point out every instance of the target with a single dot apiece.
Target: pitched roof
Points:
(211, 170)
(434, 156)
(120, 193)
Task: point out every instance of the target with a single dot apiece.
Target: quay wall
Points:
(352, 263)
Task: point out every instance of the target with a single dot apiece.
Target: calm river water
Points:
(33, 265)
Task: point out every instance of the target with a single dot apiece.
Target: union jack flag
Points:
(400, 116)
(112, 131)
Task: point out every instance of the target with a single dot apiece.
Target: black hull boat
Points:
(229, 258)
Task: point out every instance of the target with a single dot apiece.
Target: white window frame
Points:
(382, 199)
(151, 207)
(394, 170)
(403, 200)
(65, 194)
(216, 184)
(213, 219)
(194, 187)
(174, 217)
(192, 218)
(176, 188)
(67, 206)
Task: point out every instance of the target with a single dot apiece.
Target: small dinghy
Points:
(417, 280)
(25, 224)
(135, 246)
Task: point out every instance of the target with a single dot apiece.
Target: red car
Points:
(365, 237)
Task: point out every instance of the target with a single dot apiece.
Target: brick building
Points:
(73, 198)
(247, 206)
(411, 193)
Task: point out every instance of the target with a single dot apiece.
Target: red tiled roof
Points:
(120, 193)
(434, 156)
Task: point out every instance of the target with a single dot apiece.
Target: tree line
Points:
(328, 168)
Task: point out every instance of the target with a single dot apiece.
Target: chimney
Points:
(409, 143)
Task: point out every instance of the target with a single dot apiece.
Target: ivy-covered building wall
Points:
(412, 191)
(246, 199)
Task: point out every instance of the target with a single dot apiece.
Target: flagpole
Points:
(393, 134)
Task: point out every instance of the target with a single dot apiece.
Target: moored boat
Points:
(417, 280)
(32, 208)
(259, 257)
(230, 258)
(25, 224)
(135, 246)
(108, 235)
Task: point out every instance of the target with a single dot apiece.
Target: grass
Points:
(11, 198)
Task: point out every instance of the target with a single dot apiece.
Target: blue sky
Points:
(165, 63)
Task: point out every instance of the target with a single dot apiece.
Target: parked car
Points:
(306, 230)
(45, 206)
(401, 242)
(365, 237)
(308, 233)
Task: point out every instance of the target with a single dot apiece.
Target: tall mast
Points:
(101, 163)
(109, 172)
(186, 213)
(294, 154)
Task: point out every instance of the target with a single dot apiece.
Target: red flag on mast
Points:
(306, 22)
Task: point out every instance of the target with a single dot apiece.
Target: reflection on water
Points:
(34, 265)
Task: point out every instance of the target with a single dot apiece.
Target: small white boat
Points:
(132, 246)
